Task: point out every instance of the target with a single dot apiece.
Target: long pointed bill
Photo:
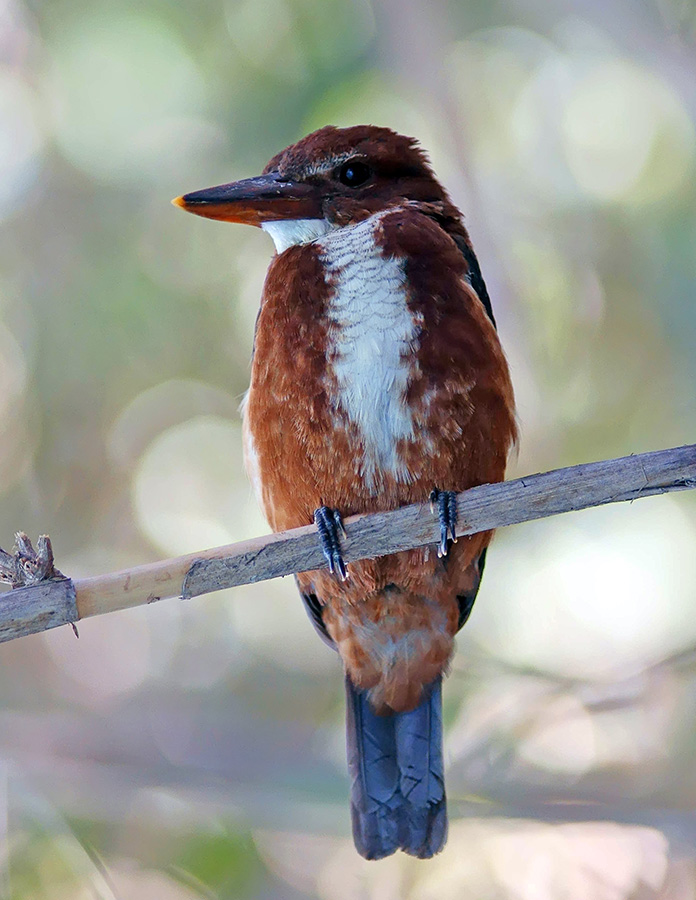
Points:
(255, 200)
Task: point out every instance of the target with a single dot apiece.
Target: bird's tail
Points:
(396, 764)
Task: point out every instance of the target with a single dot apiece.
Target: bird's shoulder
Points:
(437, 248)
(414, 230)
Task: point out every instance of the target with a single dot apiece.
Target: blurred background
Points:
(196, 749)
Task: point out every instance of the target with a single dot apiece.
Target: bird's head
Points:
(332, 178)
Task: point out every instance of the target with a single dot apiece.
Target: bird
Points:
(377, 380)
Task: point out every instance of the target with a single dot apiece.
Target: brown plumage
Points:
(377, 376)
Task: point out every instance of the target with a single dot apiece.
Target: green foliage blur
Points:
(190, 750)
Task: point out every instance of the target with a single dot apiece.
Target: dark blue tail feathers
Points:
(395, 762)
(421, 775)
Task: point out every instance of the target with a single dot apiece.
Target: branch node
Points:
(27, 566)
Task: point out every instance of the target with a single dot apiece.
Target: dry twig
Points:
(43, 598)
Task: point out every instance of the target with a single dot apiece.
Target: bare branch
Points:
(41, 606)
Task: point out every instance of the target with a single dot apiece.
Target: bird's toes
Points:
(444, 504)
(330, 527)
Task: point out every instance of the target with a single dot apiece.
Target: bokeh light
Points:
(21, 142)
(611, 592)
(120, 87)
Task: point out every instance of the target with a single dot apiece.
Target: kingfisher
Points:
(377, 380)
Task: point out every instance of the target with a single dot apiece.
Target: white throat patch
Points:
(288, 232)
(371, 344)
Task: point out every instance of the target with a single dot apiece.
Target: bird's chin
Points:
(288, 233)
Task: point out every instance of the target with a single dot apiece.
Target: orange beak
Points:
(266, 198)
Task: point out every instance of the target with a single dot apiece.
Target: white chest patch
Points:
(371, 344)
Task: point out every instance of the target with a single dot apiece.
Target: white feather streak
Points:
(372, 342)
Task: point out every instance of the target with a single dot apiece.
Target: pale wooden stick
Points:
(479, 509)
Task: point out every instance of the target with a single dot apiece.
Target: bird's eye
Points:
(354, 173)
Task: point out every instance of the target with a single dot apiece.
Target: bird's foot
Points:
(445, 504)
(27, 566)
(330, 527)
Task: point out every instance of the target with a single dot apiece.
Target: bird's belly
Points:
(393, 622)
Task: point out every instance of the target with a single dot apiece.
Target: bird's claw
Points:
(445, 504)
(27, 566)
(330, 527)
